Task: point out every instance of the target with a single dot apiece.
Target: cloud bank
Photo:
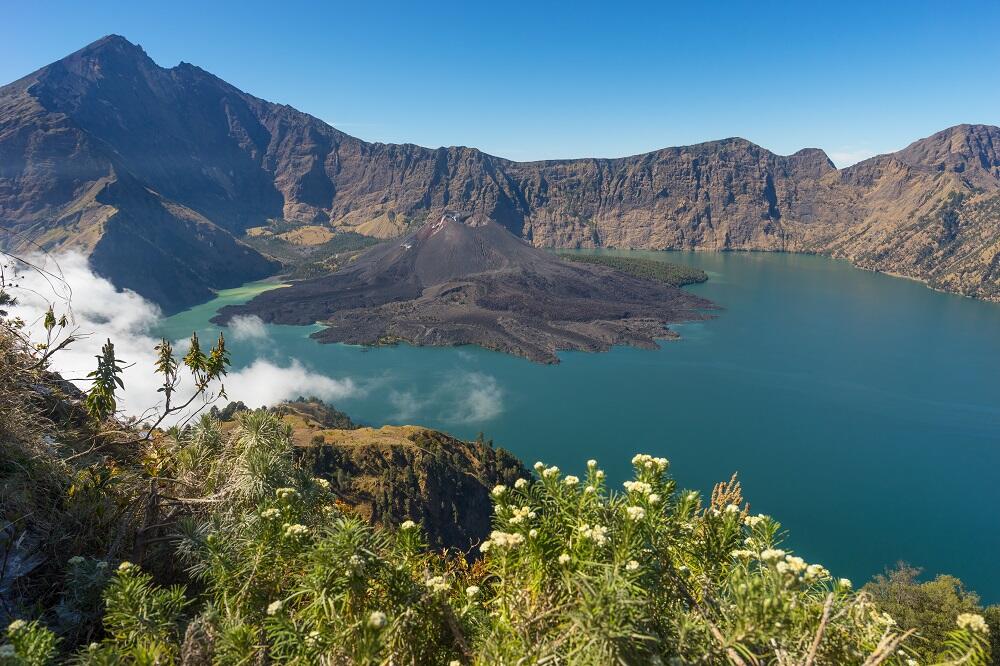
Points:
(99, 312)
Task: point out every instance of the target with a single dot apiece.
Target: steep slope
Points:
(930, 211)
(92, 158)
(397, 473)
(467, 280)
(108, 114)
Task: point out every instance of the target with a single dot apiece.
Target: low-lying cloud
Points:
(464, 398)
(245, 328)
(99, 312)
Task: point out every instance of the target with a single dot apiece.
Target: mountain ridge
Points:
(214, 161)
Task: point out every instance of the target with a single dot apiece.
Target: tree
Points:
(930, 607)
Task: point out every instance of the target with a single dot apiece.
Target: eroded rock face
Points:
(168, 167)
(398, 473)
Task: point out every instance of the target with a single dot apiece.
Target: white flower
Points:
(635, 512)
(454, 662)
(312, 638)
(322, 483)
(973, 622)
(407, 525)
(597, 533)
(816, 571)
(571, 480)
(649, 462)
(472, 591)
(16, 626)
(590, 490)
(286, 493)
(638, 487)
(521, 514)
(532, 533)
(845, 583)
(485, 546)
(270, 514)
(550, 472)
(356, 561)
(499, 490)
(632, 565)
(297, 530)
(504, 539)
(772, 554)
(376, 620)
(796, 565)
(275, 607)
(7, 651)
(599, 474)
(754, 521)
(654, 499)
(520, 483)
(539, 466)
(742, 554)
(437, 584)
(126, 566)
(732, 508)
(564, 558)
(591, 464)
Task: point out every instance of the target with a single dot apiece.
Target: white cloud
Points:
(848, 155)
(464, 398)
(264, 383)
(243, 328)
(478, 397)
(100, 312)
(406, 404)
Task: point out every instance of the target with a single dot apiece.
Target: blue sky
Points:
(538, 80)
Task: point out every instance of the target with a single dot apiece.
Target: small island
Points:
(464, 279)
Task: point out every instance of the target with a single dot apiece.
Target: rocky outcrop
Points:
(397, 473)
(106, 147)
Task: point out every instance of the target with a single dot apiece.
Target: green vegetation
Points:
(306, 261)
(651, 269)
(276, 571)
(929, 607)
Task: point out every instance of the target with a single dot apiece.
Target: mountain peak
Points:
(956, 148)
(116, 42)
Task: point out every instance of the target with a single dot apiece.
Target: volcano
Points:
(464, 279)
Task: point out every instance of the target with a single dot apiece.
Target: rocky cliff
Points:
(157, 173)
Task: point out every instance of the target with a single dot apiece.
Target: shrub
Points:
(573, 572)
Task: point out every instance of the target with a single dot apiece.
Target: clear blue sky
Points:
(545, 80)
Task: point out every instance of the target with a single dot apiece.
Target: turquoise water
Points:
(863, 411)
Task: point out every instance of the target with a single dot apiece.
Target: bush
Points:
(572, 573)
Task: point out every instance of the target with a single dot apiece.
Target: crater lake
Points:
(861, 410)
